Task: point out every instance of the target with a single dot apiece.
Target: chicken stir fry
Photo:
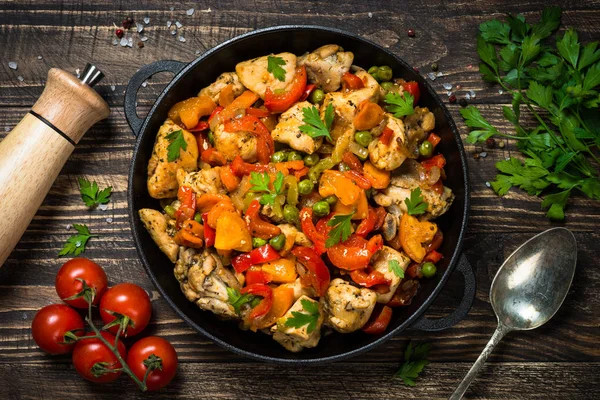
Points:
(299, 195)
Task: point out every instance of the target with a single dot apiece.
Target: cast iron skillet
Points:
(188, 80)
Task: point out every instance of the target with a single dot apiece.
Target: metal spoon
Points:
(528, 289)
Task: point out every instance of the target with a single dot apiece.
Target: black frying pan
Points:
(188, 80)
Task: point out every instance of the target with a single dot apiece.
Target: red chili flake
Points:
(127, 22)
(452, 99)
(470, 66)
(411, 33)
(119, 33)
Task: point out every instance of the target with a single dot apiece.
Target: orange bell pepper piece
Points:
(223, 206)
(281, 271)
(226, 96)
(415, 235)
(380, 179)
(283, 299)
(205, 202)
(232, 233)
(229, 179)
(242, 102)
(189, 111)
(369, 116)
(335, 183)
(191, 234)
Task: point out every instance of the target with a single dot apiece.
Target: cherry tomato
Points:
(129, 300)
(50, 324)
(144, 348)
(67, 283)
(89, 352)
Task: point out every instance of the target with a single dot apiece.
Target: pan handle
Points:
(426, 324)
(136, 81)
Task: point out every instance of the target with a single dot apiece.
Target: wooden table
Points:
(559, 360)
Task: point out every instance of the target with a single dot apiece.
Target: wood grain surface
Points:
(561, 360)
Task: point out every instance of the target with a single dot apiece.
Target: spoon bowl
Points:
(528, 289)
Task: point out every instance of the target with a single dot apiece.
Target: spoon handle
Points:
(501, 330)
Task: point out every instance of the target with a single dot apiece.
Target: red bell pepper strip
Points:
(436, 242)
(307, 91)
(386, 136)
(412, 87)
(259, 255)
(259, 289)
(379, 321)
(381, 213)
(351, 82)
(187, 209)
(434, 139)
(257, 112)
(278, 103)
(318, 273)
(361, 277)
(433, 257)
(352, 161)
(359, 179)
(214, 112)
(435, 161)
(367, 225)
(312, 233)
(298, 174)
(209, 232)
(202, 126)
(202, 142)
(240, 167)
(213, 157)
(257, 226)
(265, 146)
(354, 253)
(414, 270)
(257, 275)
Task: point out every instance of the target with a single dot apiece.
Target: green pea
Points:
(211, 138)
(305, 187)
(198, 217)
(373, 71)
(257, 242)
(291, 213)
(321, 208)
(170, 210)
(317, 96)
(278, 242)
(343, 167)
(387, 86)
(279, 156)
(363, 138)
(426, 149)
(311, 159)
(428, 269)
(255, 302)
(384, 73)
(294, 156)
(331, 200)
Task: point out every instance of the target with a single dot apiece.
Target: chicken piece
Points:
(403, 182)
(418, 125)
(288, 130)
(348, 308)
(204, 280)
(231, 144)
(157, 225)
(390, 156)
(296, 339)
(226, 78)
(299, 290)
(381, 263)
(206, 180)
(326, 65)
(300, 238)
(255, 76)
(162, 180)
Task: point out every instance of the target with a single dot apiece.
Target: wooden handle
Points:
(34, 152)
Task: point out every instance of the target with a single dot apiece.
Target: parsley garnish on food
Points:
(260, 183)
(237, 300)
(75, 245)
(558, 82)
(315, 127)
(415, 203)
(414, 362)
(394, 266)
(342, 228)
(300, 319)
(400, 105)
(91, 193)
(274, 67)
(177, 142)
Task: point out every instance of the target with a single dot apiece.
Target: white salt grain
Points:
(174, 32)
(139, 27)
(143, 38)
(145, 83)
(123, 41)
(500, 91)
(370, 15)
(103, 207)
(447, 86)
(109, 220)
(146, 20)
(12, 65)
(113, 87)
(181, 39)
(468, 96)
(449, 94)
(130, 41)
(40, 57)
(21, 79)
(77, 72)
(431, 76)
(439, 74)
(488, 184)
(115, 41)
(472, 93)
(190, 11)
(169, 23)
(171, 8)
(483, 154)
(178, 24)
(198, 52)
(6, 129)
(68, 227)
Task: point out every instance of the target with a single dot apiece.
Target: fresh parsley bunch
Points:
(557, 80)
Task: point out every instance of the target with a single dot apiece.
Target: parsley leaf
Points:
(414, 362)
(473, 119)
(237, 300)
(415, 203)
(494, 31)
(342, 228)
(394, 266)
(314, 126)
(310, 318)
(400, 105)
(274, 67)
(589, 55)
(177, 142)
(529, 177)
(260, 183)
(91, 193)
(75, 245)
(549, 22)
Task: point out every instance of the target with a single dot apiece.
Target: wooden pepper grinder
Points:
(34, 152)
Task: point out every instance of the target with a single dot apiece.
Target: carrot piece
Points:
(191, 234)
(380, 179)
(301, 172)
(434, 139)
(369, 115)
(228, 178)
(207, 201)
(224, 206)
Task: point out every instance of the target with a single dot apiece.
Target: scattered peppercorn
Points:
(140, 44)
(119, 33)
(476, 156)
(501, 144)
(463, 102)
(411, 33)
(452, 99)
(490, 143)
(434, 67)
(127, 23)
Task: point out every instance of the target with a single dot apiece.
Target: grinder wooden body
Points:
(34, 152)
